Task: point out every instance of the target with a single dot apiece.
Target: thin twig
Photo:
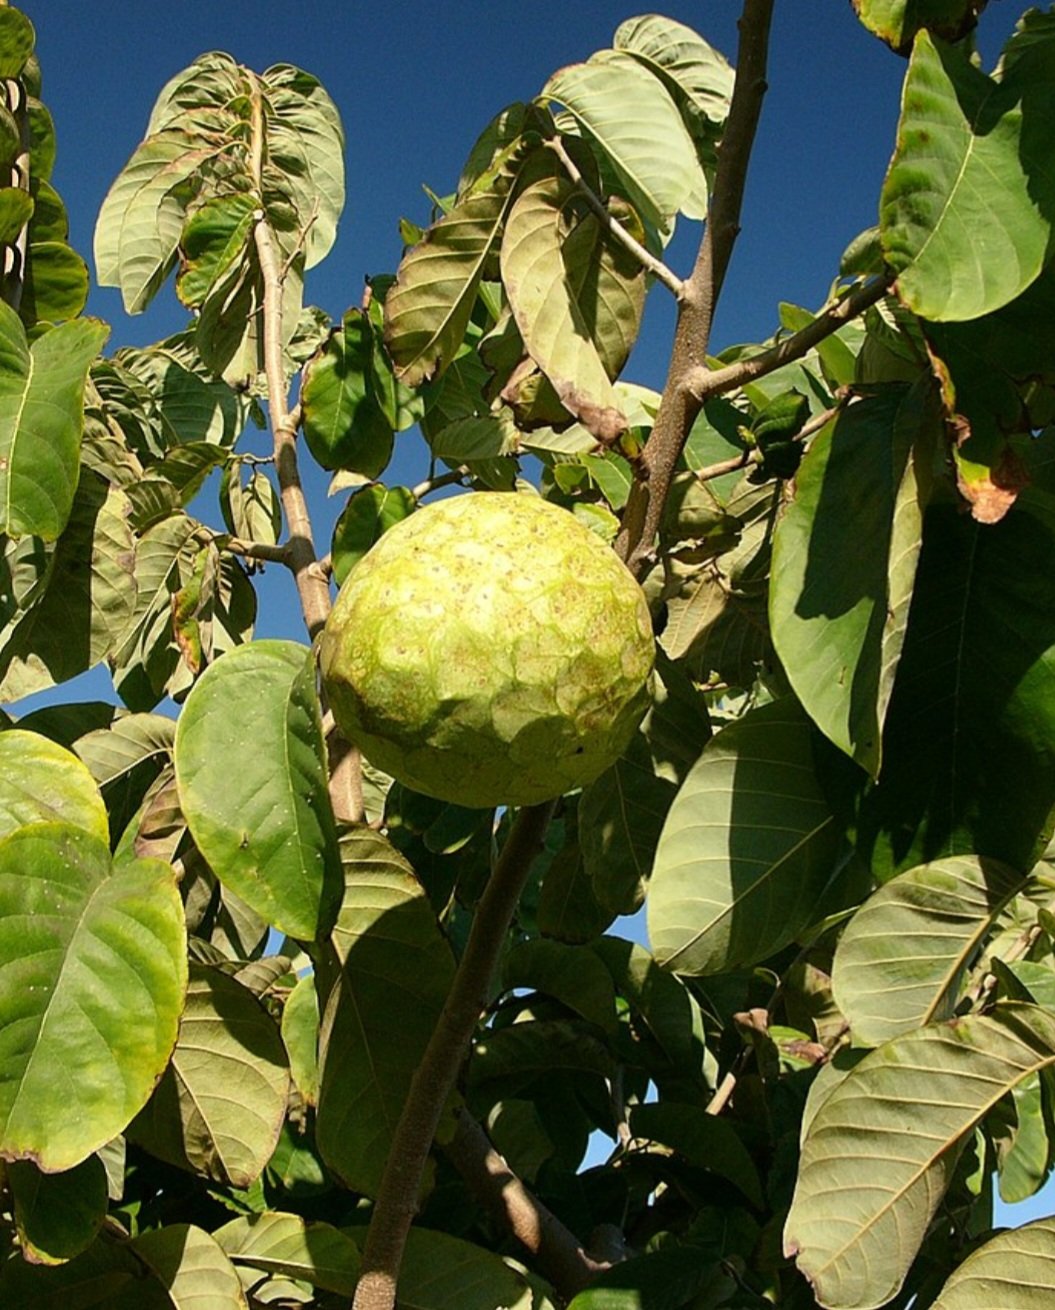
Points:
(423, 489)
(616, 230)
(752, 455)
(679, 406)
(705, 382)
(437, 1071)
(554, 1248)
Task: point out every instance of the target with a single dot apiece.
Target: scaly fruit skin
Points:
(489, 650)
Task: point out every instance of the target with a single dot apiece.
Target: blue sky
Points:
(415, 83)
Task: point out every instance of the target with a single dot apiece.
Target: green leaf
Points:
(41, 781)
(548, 313)
(1016, 1266)
(695, 71)
(82, 597)
(222, 1100)
(396, 972)
(275, 1243)
(902, 959)
(897, 21)
(969, 763)
(702, 1140)
(427, 309)
(570, 974)
(262, 819)
(41, 139)
(213, 238)
(369, 513)
(253, 512)
(186, 401)
(747, 849)
(57, 1215)
(16, 206)
(41, 417)
(1023, 1150)
(300, 1035)
(968, 203)
(55, 286)
(665, 1279)
(17, 40)
(343, 422)
(191, 1267)
(630, 115)
(882, 1147)
(440, 1271)
(94, 963)
(839, 631)
(138, 230)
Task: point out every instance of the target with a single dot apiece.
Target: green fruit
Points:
(489, 650)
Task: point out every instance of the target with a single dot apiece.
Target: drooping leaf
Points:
(262, 820)
(94, 962)
(569, 974)
(41, 417)
(369, 513)
(276, 1243)
(57, 1215)
(396, 971)
(703, 1140)
(635, 122)
(427, 309)
(220, 1103)
(547, 312)
(839, 632)
(185, 402)
(968, 203)
(71, 616)
(41, 781)
(968, 759)
(903, 956)
(138, 230)
(55, 284)
(696, 71)
(897, 21)
(1020, 1136)
(253, 510)
(213, 238)
(747, 849)
(882, 1147)
(344, 424)
(300, 1034)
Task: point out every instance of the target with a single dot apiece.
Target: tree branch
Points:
(436, 1074)
(555, 1250)
(616, 230)
(679, 406)
(312, 589)
(705, 382)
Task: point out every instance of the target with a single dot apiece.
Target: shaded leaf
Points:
(897, 21)
(220, 1104)
(17, 39)
(213, 237)
(569, 974)
(747, 849)
(369, 513)
(300, 1034)
(839, 632)
(55, 284)
(702, 1139)
(396, 972)
(343, 422)
(57, 1215)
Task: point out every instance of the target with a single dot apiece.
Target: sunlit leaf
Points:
(276, 1243)
(94, 965)
(968, 203)
(904, 954)
(41, 781)
(41, 417)
(262, 819)
(882, 1147)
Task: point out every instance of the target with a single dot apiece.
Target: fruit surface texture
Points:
(489, 650)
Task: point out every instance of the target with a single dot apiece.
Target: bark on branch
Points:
(435, 1076)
